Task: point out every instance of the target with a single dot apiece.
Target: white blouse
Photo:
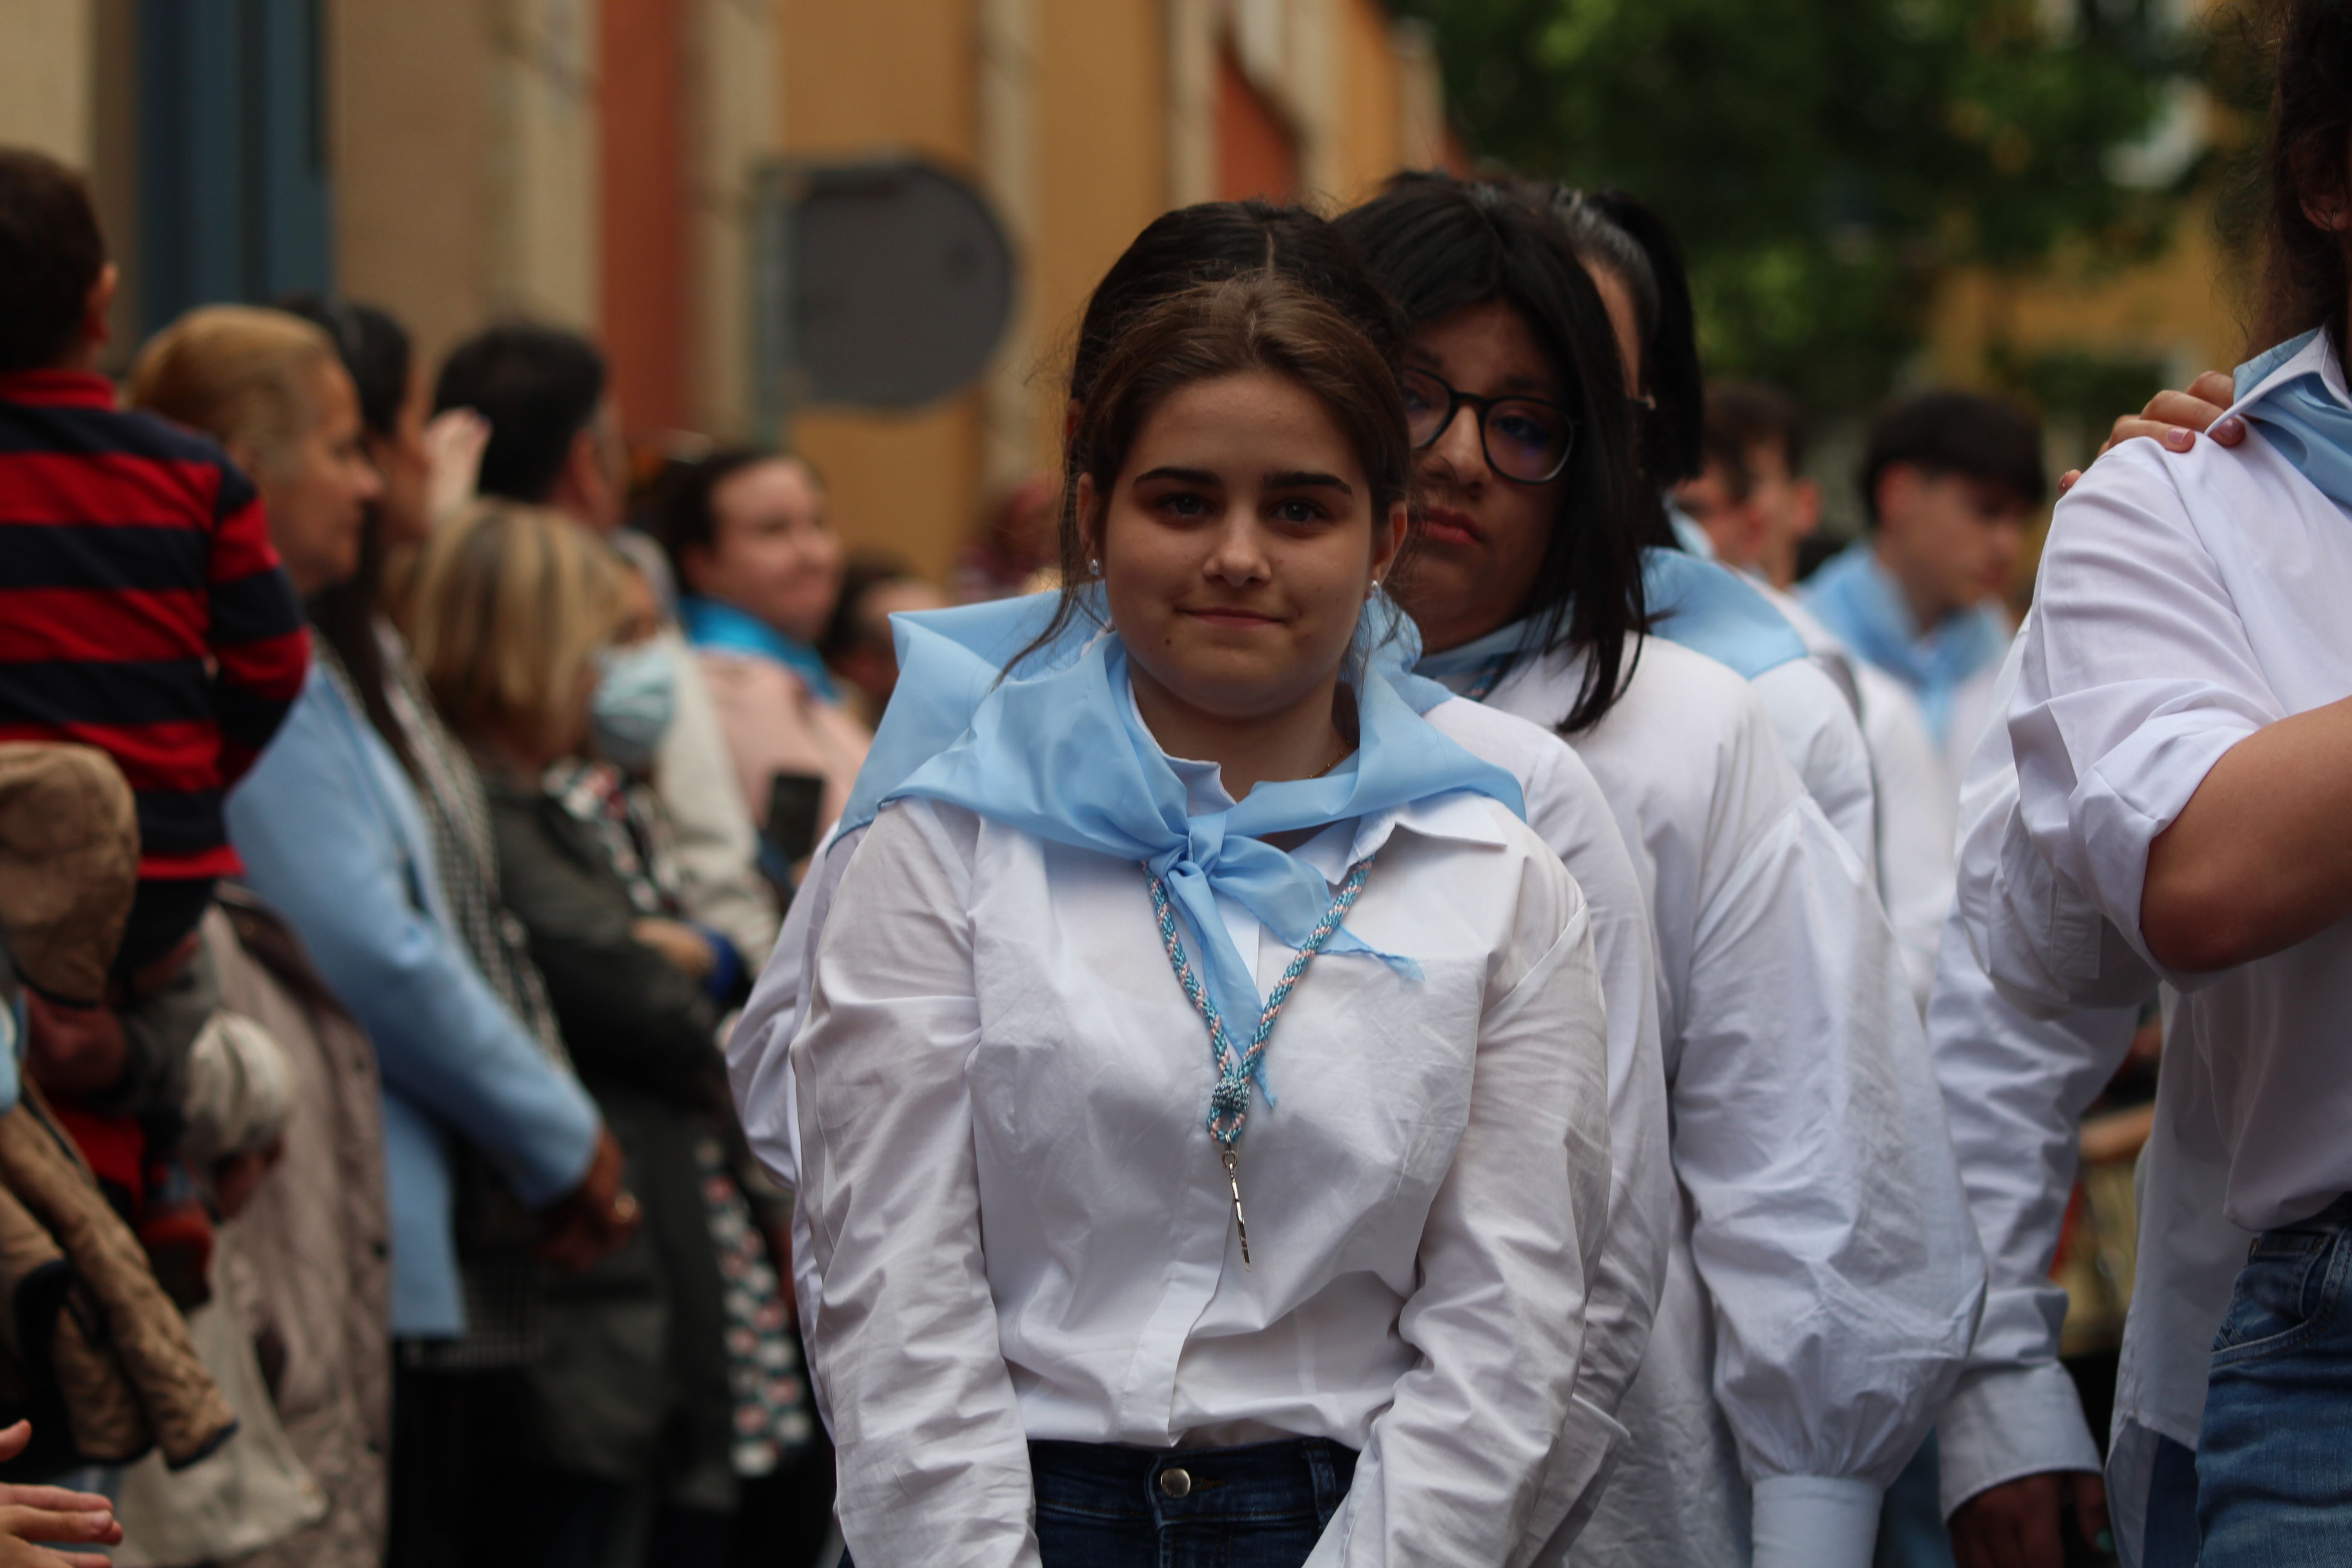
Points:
(1565, 808)
(995, 1047)
(1826, 1275)
(2186, 601)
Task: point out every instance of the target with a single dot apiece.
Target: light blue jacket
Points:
(333, 837)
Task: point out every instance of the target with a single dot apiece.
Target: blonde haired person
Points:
(332, 836)
(513, 615)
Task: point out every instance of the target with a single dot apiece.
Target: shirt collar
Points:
(57, 388)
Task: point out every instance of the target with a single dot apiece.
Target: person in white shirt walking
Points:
(1825, 1276)
(2183, 727)
(1148, 1235)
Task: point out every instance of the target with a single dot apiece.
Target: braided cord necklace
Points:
(1229, 1101)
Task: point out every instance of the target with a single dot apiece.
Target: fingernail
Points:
(2177, 440)
(2230, 430)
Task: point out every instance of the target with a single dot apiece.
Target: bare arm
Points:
(2258, 859)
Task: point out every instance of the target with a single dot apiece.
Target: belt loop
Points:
(1318, 1465)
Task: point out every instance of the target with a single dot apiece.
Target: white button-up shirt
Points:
(2035, 1005)
(1024, 1230)
(2187, 600)
(1565, 807)
(1826, 1277)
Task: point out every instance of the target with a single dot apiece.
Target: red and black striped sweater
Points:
(142, 609)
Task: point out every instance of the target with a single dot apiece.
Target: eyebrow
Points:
(1180, 475)
(1301, 479)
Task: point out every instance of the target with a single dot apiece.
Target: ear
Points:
(96, 330)
(2320, 187)
(1388, 538)
(1897, 491)
(1805, 500)
(583, 466)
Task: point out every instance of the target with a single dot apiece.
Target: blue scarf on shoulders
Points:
(1694, 604)
(1056, 749)
(2302, 418)
(1858, 598)
(715, 624)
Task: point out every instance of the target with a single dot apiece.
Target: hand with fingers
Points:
(2019, 1524)
(454, 443)
(41, 1526)
(2175, 418)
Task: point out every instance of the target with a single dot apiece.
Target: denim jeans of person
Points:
(2274, 1461)
(1263, 1505)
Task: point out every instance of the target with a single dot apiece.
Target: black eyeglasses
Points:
(1525, 440)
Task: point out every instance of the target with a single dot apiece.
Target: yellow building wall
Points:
(1371, 110)
(1103, 173)
(866, 78)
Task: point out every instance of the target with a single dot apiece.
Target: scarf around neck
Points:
(2302, 416)
(715, 624)
(1858, 598)
(1058, 749)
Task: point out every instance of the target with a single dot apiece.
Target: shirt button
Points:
(1176, 1483)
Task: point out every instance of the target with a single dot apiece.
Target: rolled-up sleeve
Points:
(1829, 1224)
(2137, 677)
(1452, 1472)
(932, 1454)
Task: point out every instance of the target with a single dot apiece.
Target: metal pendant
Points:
(1233, 1180)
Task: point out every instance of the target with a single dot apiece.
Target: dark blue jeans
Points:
(1260, 1506)
(2274, 1461)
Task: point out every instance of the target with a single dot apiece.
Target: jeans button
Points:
(1176, 1483)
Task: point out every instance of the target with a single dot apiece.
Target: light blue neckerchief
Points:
(1709, 608)
(714, 624)
(1858, 598)
(949, 661)
(1694, 604)
(2302, 418)
(1064, 755)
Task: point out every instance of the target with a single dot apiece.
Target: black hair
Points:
(375, 349)
(374, 346)
(539, 387)
(1747, 415)
(52, 254)
(1439, 245)
(1960, 433)
(685, 507)
(848, 630)
(1614, 231)
(2303, 276)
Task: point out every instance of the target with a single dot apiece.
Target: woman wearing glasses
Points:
(1825, 1274)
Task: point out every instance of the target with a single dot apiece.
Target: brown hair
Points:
(1258, 321)
(240, 375)
(2303, 273)
(505, 609)
(52, 254)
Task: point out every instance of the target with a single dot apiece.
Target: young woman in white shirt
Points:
(2183, 733)
(1110, 1275)
(1826, 1275)
(954, 656)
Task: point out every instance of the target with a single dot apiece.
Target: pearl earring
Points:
(1094, 565)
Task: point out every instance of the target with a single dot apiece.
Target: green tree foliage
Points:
(1825, 160)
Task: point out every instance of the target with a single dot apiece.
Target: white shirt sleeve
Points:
(1916, 823)
(934, 1461)
(1529, 1179)
(1829, 1222)
(1823, 741)
(2137, 677)
(2015, 1088)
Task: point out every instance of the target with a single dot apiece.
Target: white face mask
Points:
(636, 697)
